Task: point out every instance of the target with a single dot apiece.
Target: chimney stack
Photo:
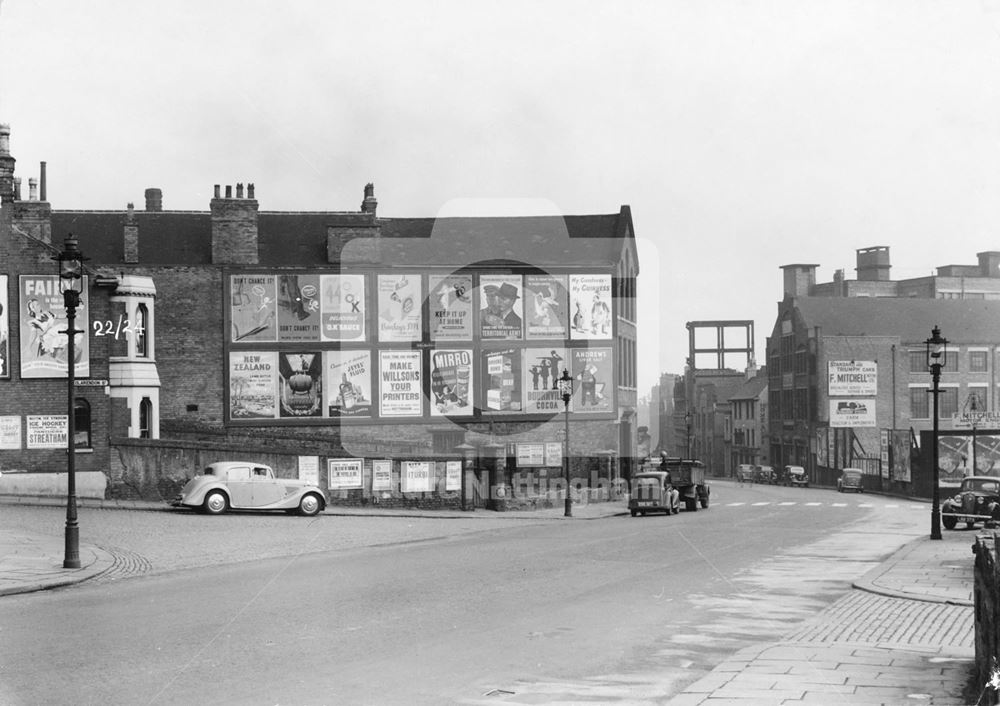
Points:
(41, 181)
(6, 166)
(370, 203)
(32, 189)
(154, 200)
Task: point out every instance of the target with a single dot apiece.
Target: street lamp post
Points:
(71, 285)
(974, 421)
(937, 356)
(566, 391)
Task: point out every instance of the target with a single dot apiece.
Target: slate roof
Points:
(911, 319)
(292, 239)
(751, 389)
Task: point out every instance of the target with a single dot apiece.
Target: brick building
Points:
(327, 336)
(848, 381)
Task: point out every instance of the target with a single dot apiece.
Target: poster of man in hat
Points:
(500, 307)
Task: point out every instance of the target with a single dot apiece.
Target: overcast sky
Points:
(744, 135)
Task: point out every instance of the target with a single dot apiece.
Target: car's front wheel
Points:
(215, 503)
(309, 505)
(949, 522)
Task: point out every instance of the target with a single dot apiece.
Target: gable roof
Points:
(911, 319)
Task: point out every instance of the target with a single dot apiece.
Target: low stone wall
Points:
(987, 617)
(89, 484)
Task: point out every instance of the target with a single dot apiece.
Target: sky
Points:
(744, 135)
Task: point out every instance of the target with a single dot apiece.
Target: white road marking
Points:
(759, 504)
(788, 503)
(839, 504)
(865, 505)
(813, 504)
(734, 504)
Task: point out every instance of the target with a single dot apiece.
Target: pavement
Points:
(904, 635)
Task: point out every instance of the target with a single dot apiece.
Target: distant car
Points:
(766, 474)
(244, 485)
(744, 472)
(978, 500)
(850, 479)
(795, 475)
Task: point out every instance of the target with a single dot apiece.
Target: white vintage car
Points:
(243, 485)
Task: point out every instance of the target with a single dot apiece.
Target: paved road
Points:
(610, 611)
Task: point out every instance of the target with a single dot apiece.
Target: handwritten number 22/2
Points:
(111, 328)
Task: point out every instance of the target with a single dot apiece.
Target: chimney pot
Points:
(218, 191)
(250, 190)
(4, 139)
(229, 191)
(32, 189)
(239, 190)
(17, 188)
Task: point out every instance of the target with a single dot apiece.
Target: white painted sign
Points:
(852, 377)
(852, 413)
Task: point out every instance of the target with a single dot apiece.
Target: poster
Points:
(342, 307)
(542, 369)
(400, 386)
(399, 307)
(590, 306)
(955, 457)
(852, 413)
(48, 431)
(450, 299)
(309, 469)
(453, 475)
(344, 474)
(298, 308)
(451, 382)
(382, 475)
(253, 385)
(901, 456)
(10, 432)
(593, 380)
(43, 316)
(4, 331)
(253, 309)
(301, 384)
(415, 477)
(500, 307)
(530, 455)
(846, 378)
(546, 303)
(349, 386)
(502, 380)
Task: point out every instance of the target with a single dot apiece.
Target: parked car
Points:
(244, 485)
(978, 500)
(850, 479)
(766, 474)
(744, 472)
(795, 475)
